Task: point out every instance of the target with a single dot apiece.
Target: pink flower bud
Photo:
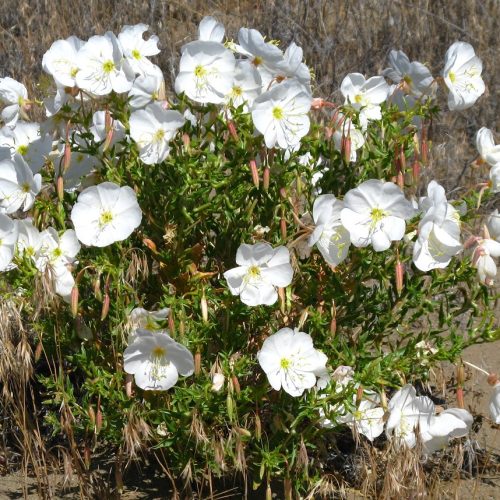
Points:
(231, 126)
(74, 300)
(255, 173)
(265, 178)
(283, 228)
(60, 188)
(400, 270)
(105, 307)
(128, 384)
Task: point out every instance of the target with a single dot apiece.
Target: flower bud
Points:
(67, 157)
(255, 173)
(400, 270)
(74, 300)
(258, 427)
(87, 456)
(150, 244)
(492, 379)
(232, 129)
(415, 170)
(218, 380)
(128, 384)
(400, 180)
(60, 188)
(186, 141)
(265, 178)
(105, 307)
(236, 384)
(171, 323)
(402, 159)
(283, 228)
(108, 140)
(91, 414)
(197, 362)
(345, 148)
(424, 149)
(359, 395)
(97, 289)
(98, 418)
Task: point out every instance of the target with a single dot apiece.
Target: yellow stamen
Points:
(278, 113)
(108, 66)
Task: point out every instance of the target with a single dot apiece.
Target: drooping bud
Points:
(266, 178)
(74, 300)
(255, 173)
(186, 141)
(345, 147)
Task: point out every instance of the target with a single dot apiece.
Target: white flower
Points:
(462, 75)
(25, 139)
(137, 50)
(246, 86)
(451, 423)
(290, 361)
(261, 270)
(146, 88)
(260, 52)
(218, 380)
(488, 150)
(141, 319)
(98, 128)
(105, 213)
(57, 251)
(206, 72)
(493, 224)
(495, 178)
(281, 114)
(103, 67)
(29, 241)
(365, 95)
(375, 213)
(152, 129)
(14, 95)
(60, 61)
(347, 130)
(331, 237)
(210, 30)
(8, 238)
(156, 360)
(409, 414)
(367, 418)
(494, 404)
(18, 186)
(417, 79)
(438, 231)
(483, 260)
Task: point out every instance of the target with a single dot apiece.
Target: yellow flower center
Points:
(22, 149)
(159, 135)
(20, 101)
(105, 218)
(73, 72)
(285, 363)
(57, 252)
(136, 54)
(452, 77)
(108, 66)
(200, 71)
(377, 214)
(358, 98)
(25, 188)
(278, 113)
(257, 61)
(253, 272)
(237, 91)
(158, 352)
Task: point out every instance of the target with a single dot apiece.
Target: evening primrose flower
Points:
(8, 238)
(367, 418)
(103, 67)
(375, 213)
(156, 360)
(210, 30)
(494, 404)
(281, 114)
(26, 140)
(105, 213)
(408, 416)
(206, 72)
(261, 270)
(462, 76)
(365, 96)
(482, 259)
(137, 50)
(147, 89)
(259, 52)
(438, 231)
(414, 77)
(488, 150)
(30, 240)
(60, 61)
(152, 128)
(18, 185)
(246, 86)
(290, 361)
(449, 424)
(15, 96)
(493, 224)
(57, 251)
(141, 319)
(330, 236)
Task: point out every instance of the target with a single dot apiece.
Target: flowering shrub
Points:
(233, 272)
